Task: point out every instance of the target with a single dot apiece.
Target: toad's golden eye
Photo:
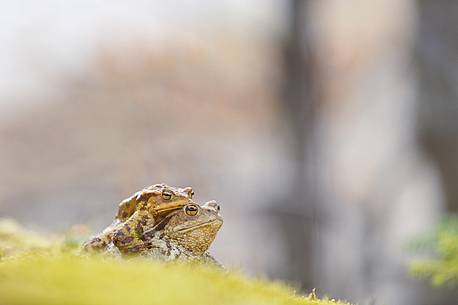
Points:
(167, 195)
(191, 210)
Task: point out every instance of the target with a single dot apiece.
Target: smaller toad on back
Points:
(184, 234)
(137, 212)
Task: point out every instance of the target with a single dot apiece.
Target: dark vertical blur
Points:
(298, 102)
(436, 61)
(437, 66)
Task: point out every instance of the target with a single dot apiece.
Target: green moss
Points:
(15, 239)
(67, 279)
(35, 270)
(443, 269)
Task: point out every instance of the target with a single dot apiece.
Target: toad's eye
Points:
(191, 210)
(167, 195)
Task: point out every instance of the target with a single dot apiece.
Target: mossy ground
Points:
(43, 273)
(67, 279)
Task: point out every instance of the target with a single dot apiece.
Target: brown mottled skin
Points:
(184, 234)
(141, 210)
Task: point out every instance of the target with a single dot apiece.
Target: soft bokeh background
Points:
(326, 129)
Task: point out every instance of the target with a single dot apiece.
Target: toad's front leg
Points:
(127, 236)
(101, 241)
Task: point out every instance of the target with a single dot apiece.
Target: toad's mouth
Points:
(203, 224)
(172, 208)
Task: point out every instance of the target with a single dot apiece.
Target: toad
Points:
(183, 234)
(143, 209)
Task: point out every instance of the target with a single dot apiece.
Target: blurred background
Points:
(325, 129)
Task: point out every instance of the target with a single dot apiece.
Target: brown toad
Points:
(184, 234)
(139, 211)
